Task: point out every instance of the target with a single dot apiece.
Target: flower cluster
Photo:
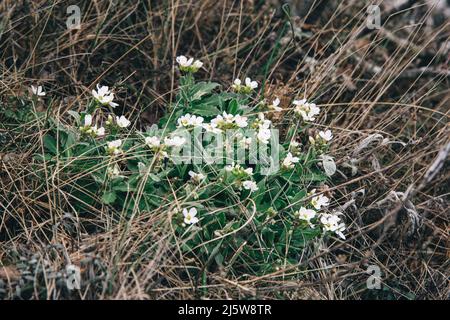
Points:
(190, 121)
(91, 130)
(328, 222)
(239, 171)
(295, 147)
(246, 88)
(114, 147)
(236, 113)
(307, 111)
(104, 96)
(189, 65)
(196, 177)
(160, 147)
(332, 223)
(323, 137)
(290, 161)
(262, 125)
(229, 121)
(155, 142)
(243, 176)
(250, 185)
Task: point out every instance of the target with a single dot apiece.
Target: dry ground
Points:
(385, 92)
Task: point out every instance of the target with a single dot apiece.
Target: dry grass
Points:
(387, 98)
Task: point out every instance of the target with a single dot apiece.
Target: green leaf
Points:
(42, 158)
(123, 186)
(219, 259)
(201, 89)
(314, 177)
(233, 107)
(298, 196)
(50, 144)
(75, 115)
(68, 143)
(205, 110)
(154, 177)
(109, 197)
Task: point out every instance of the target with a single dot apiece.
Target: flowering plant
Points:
(257, 218)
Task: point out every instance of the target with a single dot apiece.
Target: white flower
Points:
(211, 127)
(174, 142)
(109, 121)
(187, 121)
(326, 136)
(340, 231)
(306, 110)
(264, 135)
(240, 121)
(299, 103)
(122, 122)
(294, 144)
(91, 130)
(37, 91)
(189, 65)
(320, 201)
(184, 121)
(306, 215)
(115, 143)
(227, 120)
(196, 177)
(250, 185)
(247, 88)
(114, 147)
(104, 96)
(217, 121)
(329, 221)
(153, 142)
(196, 121)
(184, 62)
(262, 122)
(332, 223)
(100, 132)
(239, 170)
(190, 216)
(87, 120)
(313, 110)
(228, 117)
(197, 64)
(289, 161)
(275, 105)
(251, 84)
